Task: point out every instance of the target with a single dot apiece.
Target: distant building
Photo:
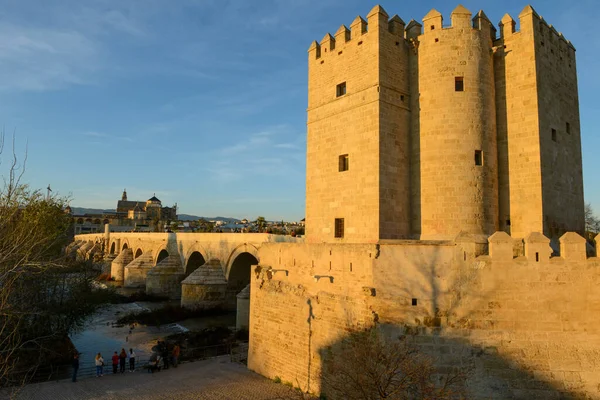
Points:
(129, 215)
(150, 209)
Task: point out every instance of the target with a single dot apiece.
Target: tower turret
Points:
(458, 160)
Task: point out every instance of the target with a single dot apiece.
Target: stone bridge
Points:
(202, 269)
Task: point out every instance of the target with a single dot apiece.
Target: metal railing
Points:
(57, 372)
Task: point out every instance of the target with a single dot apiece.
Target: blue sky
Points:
(202, 102)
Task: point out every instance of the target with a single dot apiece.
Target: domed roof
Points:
(154, 199)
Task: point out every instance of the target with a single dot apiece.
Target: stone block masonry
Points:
(526, 326)
(443, 129)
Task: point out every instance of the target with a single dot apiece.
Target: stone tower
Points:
(426, 131)
(539, 142)
(357, 178)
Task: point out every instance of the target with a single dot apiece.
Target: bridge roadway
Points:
(215, 379)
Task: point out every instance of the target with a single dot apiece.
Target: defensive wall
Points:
(524, 322)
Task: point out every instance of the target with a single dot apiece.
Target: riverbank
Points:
(103, 334)
(216, 378)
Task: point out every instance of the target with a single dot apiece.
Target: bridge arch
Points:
(161, 256)
(125, 246)
(239, 272)
(241, 249)
(193, 262)
(113, 248)
(138, 253)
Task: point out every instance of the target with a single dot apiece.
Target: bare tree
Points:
(592, 222)
(369, 366)
(41, 299)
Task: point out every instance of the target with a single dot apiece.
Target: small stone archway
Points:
(194, 261)
(138, 253)
(238, 277)
(243, 248)
(112, 248)
(161, 256)
(125, 246)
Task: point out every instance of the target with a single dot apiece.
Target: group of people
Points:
(162, 354)
(119, 360)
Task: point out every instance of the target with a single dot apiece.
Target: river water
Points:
(103, 335)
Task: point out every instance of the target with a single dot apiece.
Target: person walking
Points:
(75, 365)
(115, 362)
(176, 351)
(164, 353)
(99, 365)
(122, 359)
(131, 361)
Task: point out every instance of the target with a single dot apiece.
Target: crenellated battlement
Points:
(377, 21)
(460, 18)
(531, 22)
(536, 248)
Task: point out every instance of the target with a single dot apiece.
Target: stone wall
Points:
(527, 326)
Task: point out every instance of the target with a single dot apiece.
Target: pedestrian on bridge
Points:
(176, 352)
(115, 362)
(131, 361)
(99, 365)
(122, 360)
(75, 365)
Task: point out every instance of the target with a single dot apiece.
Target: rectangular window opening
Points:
(554, 135)
(340, 89)
(537, 257)
(432, 27)
(414, 302)
(343, 163)
(339, 227)
(478, 157)
(568, 128)
(459, 84)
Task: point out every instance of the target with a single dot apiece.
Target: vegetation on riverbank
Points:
(168, 315)
(44, 295)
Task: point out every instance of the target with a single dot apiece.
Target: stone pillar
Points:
(165, 279)
(205, 288)
(573, 247)
(137, 271)
(501, 247)
(106, 238)
(117, 268)
(537, 247)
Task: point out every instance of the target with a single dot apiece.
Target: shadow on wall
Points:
(426, 362)
(482, 316)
